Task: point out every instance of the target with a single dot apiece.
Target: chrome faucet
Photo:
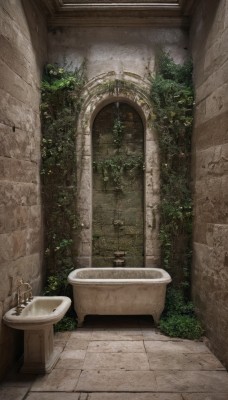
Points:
(24, 295)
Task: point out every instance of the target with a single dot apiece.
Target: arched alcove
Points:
(99, 92)
(118, 185)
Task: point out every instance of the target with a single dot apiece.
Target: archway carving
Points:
(100, 91)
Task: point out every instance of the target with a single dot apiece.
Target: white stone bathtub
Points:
(119, 291)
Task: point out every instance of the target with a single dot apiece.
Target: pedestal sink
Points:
(37, 319)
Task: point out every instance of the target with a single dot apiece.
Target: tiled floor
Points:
(123, 359)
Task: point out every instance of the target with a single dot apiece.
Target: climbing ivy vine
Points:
(118, 132)
(172, 98)
(60, 106)
(113, 169)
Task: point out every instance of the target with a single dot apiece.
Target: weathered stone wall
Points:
(22, 43)
(209, 36)
(116, 54)
(108, 49)
(118, 205)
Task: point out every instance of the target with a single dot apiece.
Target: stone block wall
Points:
(116, 53)
(22, 55)
(118, 49)
(118, 206)
(209, 38)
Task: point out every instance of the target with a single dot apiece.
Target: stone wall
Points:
(209, 36)
(118, 204)
(112, 54)
(23, 52)
(108, 49)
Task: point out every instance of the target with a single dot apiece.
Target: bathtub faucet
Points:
(24, 295)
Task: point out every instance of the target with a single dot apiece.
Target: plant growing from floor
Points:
(60, 106)
(179, 317)
(66, 324)
(172, 99)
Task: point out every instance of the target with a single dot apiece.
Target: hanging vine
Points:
(118, 132)
(113, 169)
(173, 100)
(60, 107)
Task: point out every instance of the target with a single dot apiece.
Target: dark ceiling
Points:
(160, 13)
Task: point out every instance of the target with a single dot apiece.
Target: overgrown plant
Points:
(60, 106)
(118, 132)
(113, 169)
(172, 98)
(179, 317)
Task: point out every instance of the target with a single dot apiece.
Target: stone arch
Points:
(100, 91)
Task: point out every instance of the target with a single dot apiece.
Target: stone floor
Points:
(123, 358)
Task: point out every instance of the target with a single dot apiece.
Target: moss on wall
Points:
(118, 185)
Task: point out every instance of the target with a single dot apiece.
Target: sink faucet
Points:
(24, 295)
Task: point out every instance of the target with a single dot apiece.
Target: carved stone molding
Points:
(159, 13)
(96, 96)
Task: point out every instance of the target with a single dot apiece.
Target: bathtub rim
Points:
(74, 281)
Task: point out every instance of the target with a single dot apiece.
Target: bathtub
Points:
(119, 291)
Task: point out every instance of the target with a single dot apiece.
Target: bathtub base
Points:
(81, 317)
(119, 300)
(136, 292)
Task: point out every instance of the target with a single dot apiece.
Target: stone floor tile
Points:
(119, 334)
(84, 396)
(188, 381)
(60, 343)
(152, 334)
(116, 361)
(73, 354)
(116, 381)
(204, 396)
(135, 396)
(53, 396)
(119, 346)
(68, 363)
(206, 361)
(62, 335)
(59, 380)
(180, 361)
(17, 379)
(186, 346)
(77, 344)
(12, 393)
(81, 334)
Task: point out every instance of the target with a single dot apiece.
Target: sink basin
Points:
(37, 319)
(40, 312)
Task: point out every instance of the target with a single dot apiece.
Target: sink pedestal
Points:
(39, 353)
(36, 320)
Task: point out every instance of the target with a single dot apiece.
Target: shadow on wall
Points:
(14, 340)
(36, 24)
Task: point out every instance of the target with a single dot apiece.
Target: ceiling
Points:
(119, 13)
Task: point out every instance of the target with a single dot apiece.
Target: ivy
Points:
(115, 85)
(172, 99)
(60, 107)
(113, 169)
(118, 132)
